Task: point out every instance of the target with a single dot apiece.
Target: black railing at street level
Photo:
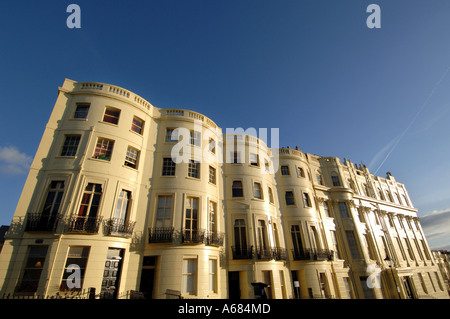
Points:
(41, 222)
(83, 294)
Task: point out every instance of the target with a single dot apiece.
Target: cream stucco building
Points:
(108, 206)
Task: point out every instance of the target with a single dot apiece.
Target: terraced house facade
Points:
(108, 208)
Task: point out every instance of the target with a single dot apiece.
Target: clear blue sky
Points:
(314, 69)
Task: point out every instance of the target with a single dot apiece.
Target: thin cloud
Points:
(436, 227)
(12, 161)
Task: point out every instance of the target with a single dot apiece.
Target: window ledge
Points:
(99, 160)
(258, 199)
(130, 168)
(138, 134)
(107, 123)
(78, 120)
(65, 157)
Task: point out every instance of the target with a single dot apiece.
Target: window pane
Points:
(111, 116)
(131, 157)
(81, 111)
(70, 145)
(237, 189)
(284, 170)
(257, 190)
(343, 209)
(137, 125)
(168, 167)
(289, 196)
(103, 149)
(194, 169)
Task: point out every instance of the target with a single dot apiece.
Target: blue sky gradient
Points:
(314, 69)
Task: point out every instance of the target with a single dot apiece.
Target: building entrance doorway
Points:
(408, 287)
(111, 273)
(148, 276)
(234, 290)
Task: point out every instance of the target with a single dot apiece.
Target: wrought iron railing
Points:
(41, 222)
(193, 236)
(323, 254)
(242, 253)
(264, 253)
(87, 225)
(119, 227)
(312, 254)
(213, 238)
(280, 254)
(299, 254)
(160, 235)
(271, 253)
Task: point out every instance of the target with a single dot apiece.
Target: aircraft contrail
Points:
(397, 140)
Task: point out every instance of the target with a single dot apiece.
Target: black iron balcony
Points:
(242, 253)
(119, 227)
(323, 254)
(299, 254)
(160, 235)
(85, 225)
(265, 253)
(41, 222)
(214, 238)
(280, 254)
(313, 254)
(193, 236)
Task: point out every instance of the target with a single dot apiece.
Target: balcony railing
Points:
(242, 253)
(313, 254)
(280, 254)
(323, 254)
(301, 254)
(214, 238)
(193, 236)
(271, 253)
(40, 222)
(86, 225)
(160, 235)
(119, 227)
(264, 253)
